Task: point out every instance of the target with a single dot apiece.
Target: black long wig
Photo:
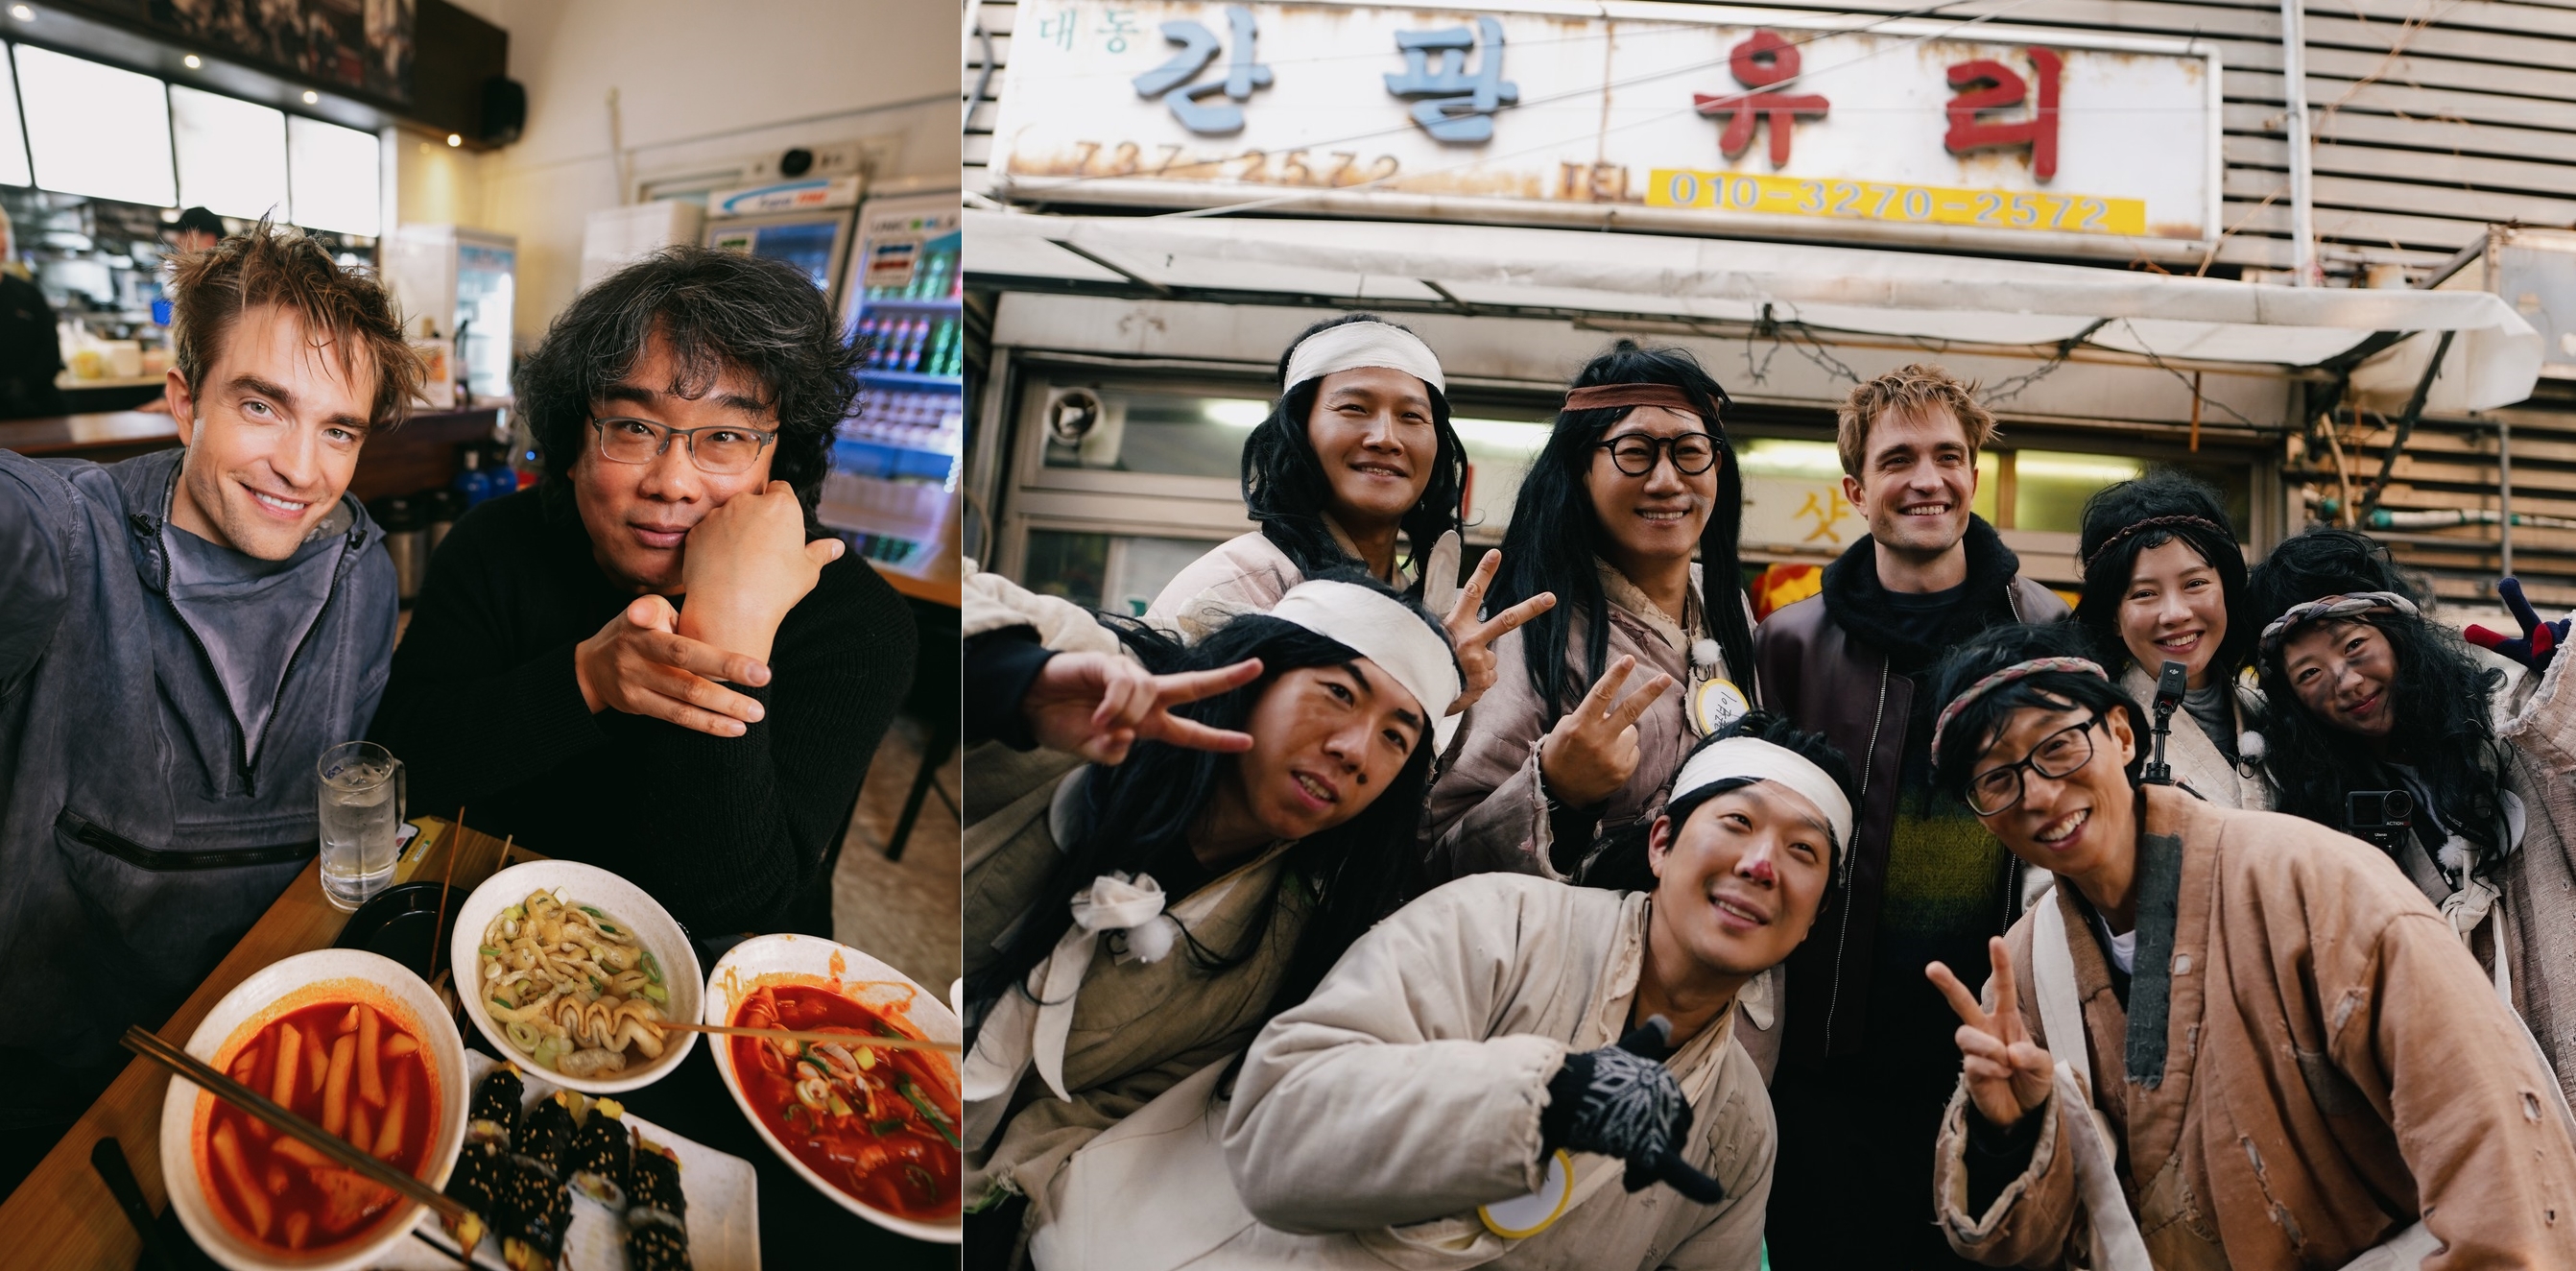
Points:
(2441, 698)
(2158, 494)
(1286, 491)
(1344, 879)
(1554, 535)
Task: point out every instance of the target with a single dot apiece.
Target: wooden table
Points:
(62, 1218)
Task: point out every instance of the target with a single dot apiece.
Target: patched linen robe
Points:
(1370, 1121)
(2309, 1062)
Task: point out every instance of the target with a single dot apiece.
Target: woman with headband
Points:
(2385, 725)
(2164, 581)
(1249, 811)
(1635, 478)
(2226, 1037)
(1508, 1072)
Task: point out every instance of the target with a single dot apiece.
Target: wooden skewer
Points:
(454, 840)
(153, 1046)
(800, 1035)
(506, 840)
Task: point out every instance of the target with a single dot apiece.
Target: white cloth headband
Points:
(1383, 630)
(1754, 757)
(1356, 344)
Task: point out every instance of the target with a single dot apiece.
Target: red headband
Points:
(1603, 396)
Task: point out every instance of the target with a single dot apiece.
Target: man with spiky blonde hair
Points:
(181, 635)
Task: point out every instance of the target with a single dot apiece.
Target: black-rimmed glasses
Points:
(2057, 756)
(1637, 453)
(723, 449)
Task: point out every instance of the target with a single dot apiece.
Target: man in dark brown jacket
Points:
(1868, 1061)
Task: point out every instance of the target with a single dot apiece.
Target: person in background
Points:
(182, 634)
(1867, 1058)
(2369, 698)
(31, 346)
(1581, 734)
(2256, 1045)
(1246, 811)
(2164, 580)
(655, 660)
(197, 229)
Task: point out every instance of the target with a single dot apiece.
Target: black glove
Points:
(1621, 1101)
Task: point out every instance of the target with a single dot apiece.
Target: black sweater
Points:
(725, 832)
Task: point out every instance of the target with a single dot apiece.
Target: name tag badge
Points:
(1526, 1216)
(1714, 705)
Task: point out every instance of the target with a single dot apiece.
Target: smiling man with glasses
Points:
(657, 661)
(2225, 1038)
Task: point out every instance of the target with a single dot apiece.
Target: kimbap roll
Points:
(495, 1116)
(655, 1245)
(545, 1139)
(656, 1182)
(480, 1175)
(599, 1152)
(536, 1211)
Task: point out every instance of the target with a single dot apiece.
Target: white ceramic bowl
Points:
(892, 995)
(622, 901)
(297, 982)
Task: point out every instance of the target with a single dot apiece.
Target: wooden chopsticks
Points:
(798, 1035)
(153, 1046)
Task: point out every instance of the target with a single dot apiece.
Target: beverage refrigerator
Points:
(893, 490)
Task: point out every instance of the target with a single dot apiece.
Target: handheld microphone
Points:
(2172, 681)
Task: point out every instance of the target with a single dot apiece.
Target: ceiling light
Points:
(454, 140)
(192, 61)
(311, 97)
(22, 13)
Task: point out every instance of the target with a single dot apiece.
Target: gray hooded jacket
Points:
(140, 833)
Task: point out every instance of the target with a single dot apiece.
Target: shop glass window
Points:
(1173, 434)
(1499, 453)
(232, 154)
(332, 173)
(1070, 566)
(2050, 486)
(96, 130)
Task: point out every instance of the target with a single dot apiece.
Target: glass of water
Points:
(363, 802)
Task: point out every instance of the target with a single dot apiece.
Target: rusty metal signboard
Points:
(1663, 116)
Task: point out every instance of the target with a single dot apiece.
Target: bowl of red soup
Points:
(874, 1127)
(351, 1041)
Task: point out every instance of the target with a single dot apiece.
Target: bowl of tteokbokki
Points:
(570, 972)
(351, 1041)
(875, 1128)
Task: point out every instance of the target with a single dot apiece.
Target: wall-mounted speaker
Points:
(505, 111)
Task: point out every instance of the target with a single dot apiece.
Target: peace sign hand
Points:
(1593, 751)
(1475, 637)
(2007, 1073)
(1097, 705)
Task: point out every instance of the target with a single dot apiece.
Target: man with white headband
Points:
(1247, 811)
(2255, 1044)
(1509, 1072)
(1357, 454)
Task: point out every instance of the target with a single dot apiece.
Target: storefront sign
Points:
(1686, 114)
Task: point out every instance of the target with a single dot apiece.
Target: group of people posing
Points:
(655, 660)
(1340, 914)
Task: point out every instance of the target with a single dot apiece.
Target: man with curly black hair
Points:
(657, 661)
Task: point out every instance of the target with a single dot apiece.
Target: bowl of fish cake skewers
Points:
(572, 973)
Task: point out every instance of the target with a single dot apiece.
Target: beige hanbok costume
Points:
(1370, 1122)
(2306, 1066)
(2199, 766)
(1131, 1028)
(1244, 574)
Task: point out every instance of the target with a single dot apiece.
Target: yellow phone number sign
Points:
(1883, 201)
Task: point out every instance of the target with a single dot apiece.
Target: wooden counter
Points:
(62, 1217)
(419, 455)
